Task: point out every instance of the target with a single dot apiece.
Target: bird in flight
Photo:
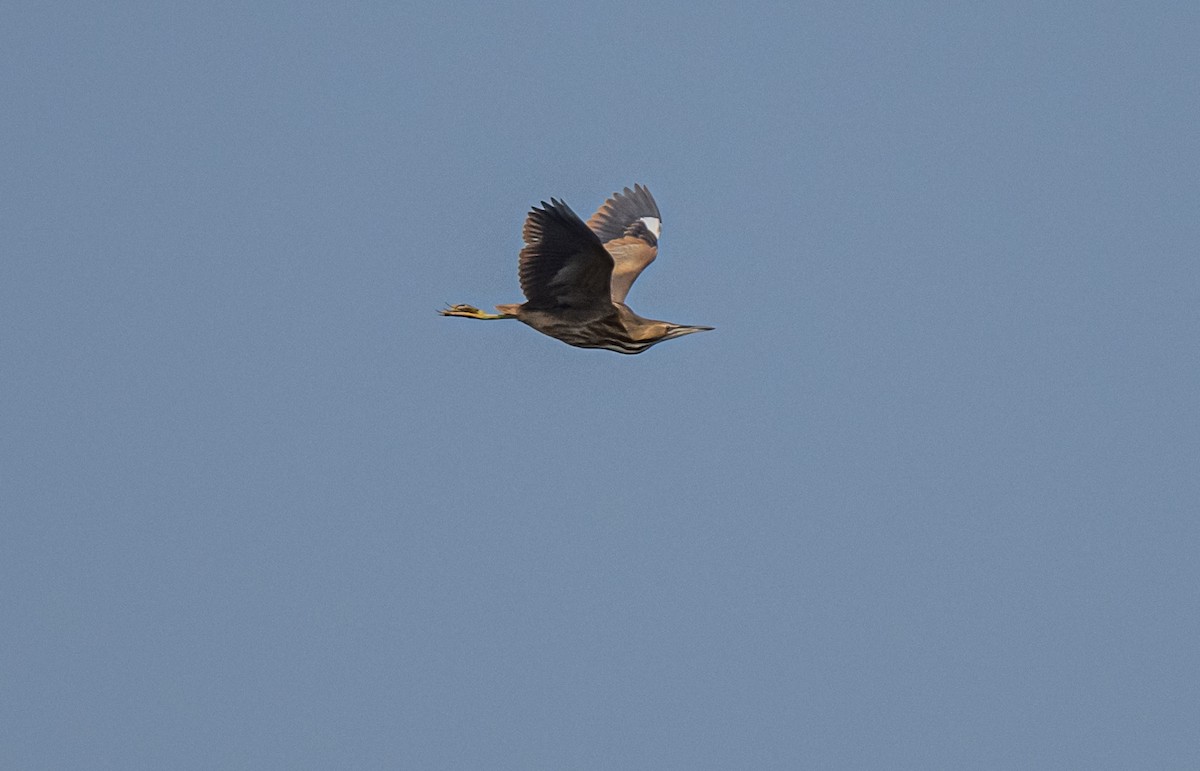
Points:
(576, 275)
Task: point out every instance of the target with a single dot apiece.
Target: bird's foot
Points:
(469, 312)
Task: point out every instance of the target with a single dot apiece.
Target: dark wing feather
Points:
(563, 264)
(621, 223)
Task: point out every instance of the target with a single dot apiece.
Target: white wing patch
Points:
(654, 225)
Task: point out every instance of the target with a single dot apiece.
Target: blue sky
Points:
(926, 498)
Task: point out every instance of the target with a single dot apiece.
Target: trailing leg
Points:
(471, 312)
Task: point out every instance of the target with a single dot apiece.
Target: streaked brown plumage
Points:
(576, 275)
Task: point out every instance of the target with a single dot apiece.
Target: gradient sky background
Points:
(927, 498)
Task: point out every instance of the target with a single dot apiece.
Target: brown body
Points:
(615, 328)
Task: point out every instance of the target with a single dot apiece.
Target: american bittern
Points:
(575, 276)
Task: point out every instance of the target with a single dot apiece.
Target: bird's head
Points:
(671, 331)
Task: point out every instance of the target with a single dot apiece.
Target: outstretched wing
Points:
(563, 264)
(629, 225)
